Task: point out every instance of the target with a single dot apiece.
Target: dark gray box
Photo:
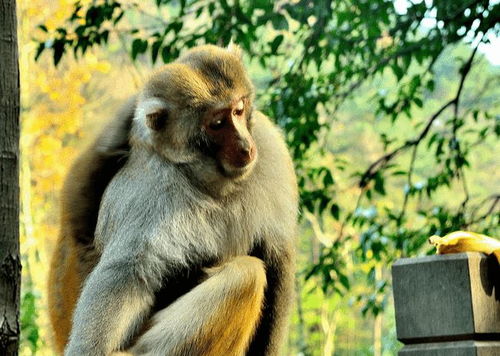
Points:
(441, 300)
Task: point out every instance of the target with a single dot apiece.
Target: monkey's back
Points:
(74, 253)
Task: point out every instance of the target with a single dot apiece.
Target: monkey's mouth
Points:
(237, 172)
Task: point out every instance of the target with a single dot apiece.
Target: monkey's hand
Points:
(112, 305)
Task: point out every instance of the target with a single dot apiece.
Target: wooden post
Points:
(448, 305)
(10, 265)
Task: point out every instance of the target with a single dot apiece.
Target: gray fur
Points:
(158, 215)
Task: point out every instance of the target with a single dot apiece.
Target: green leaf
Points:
(398, 71)
(344, 281)
(39, 50)
(323, 203)
(379, 184)
(138, 47)
(58, 48)
(276, 43)
(177, 27)
(105, 35)
(165, 54)
(155, 48)
(279, 22)
(418, 102)
(335, 211)
(262, 4)
(431, 85)
(328, 179)
(119, 17)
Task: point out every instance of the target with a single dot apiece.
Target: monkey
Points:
(74, 254)
(195, 232)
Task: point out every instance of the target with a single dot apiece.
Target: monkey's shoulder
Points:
(146, 202)
(274, 171)
(271, 144)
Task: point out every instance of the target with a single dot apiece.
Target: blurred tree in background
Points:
(389, 107)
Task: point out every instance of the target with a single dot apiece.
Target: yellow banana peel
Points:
(464, 241)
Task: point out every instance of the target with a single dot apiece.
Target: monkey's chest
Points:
(213, 234)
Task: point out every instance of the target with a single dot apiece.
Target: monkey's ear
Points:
(235, 49)
(151, 112)
(157, 120)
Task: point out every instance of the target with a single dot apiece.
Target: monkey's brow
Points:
(200, 108)
(224, 106)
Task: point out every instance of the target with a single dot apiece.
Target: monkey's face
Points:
(199, 110)
(228, 132)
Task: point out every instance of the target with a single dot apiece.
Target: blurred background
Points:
(390, 109)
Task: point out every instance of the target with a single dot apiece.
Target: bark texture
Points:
(10, 266)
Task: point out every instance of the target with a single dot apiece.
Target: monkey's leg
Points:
(217, 317)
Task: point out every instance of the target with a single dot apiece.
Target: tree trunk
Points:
(10, 265)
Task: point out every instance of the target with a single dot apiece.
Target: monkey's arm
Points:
(113, 303)
(278, 300)
(215, 318)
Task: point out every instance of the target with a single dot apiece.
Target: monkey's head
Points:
(199, 109)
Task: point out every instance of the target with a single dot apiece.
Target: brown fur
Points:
(64, 288)
(74, 254)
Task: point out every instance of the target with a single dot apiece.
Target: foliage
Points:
(314, 61)
(29, 314)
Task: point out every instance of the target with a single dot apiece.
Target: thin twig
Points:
(344, 221)
(495, 198)
(464, 187)
(461, 172)
(488, 213)
(409, 182)
(385, 159)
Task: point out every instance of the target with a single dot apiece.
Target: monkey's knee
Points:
(246, 273)
(217, 317)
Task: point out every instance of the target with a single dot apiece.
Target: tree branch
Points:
(385, 159)
(491, 209)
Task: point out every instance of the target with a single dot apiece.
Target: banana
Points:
(464, 241)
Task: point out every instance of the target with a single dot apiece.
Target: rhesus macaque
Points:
(195, 233)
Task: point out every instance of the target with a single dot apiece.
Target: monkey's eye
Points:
(217, 124)
(238, 112)
(240, 107)
(157, 120)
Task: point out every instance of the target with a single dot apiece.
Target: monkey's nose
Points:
(248, 152)
(245, 155)
(245, 149)
(245, 152)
